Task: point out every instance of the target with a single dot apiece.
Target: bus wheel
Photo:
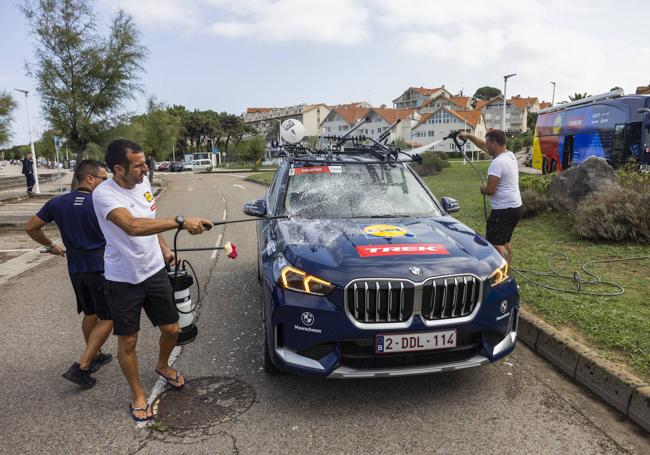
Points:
(544, 166)
(553, 166)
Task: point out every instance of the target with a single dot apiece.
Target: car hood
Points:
(341, 250)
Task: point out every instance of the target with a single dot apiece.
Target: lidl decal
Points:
(406, 249)
(385, 230)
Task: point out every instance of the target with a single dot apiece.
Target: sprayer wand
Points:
(454, 136)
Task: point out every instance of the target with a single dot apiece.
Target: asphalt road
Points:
(520, 405)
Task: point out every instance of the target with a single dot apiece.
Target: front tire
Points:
(269, 366)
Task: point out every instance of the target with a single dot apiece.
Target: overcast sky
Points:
(227, 55)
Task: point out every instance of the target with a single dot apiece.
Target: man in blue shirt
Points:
(84, 243)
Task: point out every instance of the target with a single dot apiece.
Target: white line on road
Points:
(239, 186)
(224, 215)
(161, 383)
(216, 245)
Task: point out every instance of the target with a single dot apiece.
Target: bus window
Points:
(635, 142)
(618, 154)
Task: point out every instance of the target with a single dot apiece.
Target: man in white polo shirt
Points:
(502, 187)
(134, 264)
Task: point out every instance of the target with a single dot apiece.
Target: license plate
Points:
(411, 342)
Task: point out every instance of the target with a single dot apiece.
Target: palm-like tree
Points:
(578, 96)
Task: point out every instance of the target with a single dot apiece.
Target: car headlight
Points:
(500, 275)
(294, 279)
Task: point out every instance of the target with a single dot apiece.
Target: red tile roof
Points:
(643, 90)
(426, 91)
(460, 101)
(255, 110)
(471, 117)
(391, 115)
(351, 114)
(520, 103)
(544, 105)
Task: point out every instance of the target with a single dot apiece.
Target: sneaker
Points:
(99, 360)
(80, 377)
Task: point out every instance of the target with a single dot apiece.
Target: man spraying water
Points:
(502, 187)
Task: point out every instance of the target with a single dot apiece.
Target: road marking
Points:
(160, 384)
(216, 245)
(239, 186)
(224, 215)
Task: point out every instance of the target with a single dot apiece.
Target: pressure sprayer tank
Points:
(181, 283)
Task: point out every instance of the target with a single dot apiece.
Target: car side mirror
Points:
(255, 208)
(450, 205)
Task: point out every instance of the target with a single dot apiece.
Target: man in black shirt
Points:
(28, 172)
(84, 243)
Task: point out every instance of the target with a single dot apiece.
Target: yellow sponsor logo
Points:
(148, 196)
(385, 230)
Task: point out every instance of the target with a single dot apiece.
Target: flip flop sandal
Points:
(140, 419)
(169, 380)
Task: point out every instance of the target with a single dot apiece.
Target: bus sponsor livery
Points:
(609, 126)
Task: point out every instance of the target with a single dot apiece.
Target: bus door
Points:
(567, 151)
(618, 151)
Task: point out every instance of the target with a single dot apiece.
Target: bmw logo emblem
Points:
(307, 318)
(415, 271)
(504, 306)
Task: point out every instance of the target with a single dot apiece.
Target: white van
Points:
(201, 165)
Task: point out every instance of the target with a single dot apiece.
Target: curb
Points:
(259, 182)
(623, 391)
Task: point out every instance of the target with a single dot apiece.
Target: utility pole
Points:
(505, 85)
(37, 188)
(553, 98)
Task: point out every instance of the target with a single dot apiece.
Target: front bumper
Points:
(318, 345)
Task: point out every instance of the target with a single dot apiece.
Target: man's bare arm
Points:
(34, 229)
(150, 226)
(480, 143)
(491, 185)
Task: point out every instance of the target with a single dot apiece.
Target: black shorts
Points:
(89, 289)
(127, 300)
(501, 224)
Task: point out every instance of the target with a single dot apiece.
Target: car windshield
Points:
(356, 190)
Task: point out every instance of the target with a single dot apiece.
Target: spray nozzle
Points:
(451, 135)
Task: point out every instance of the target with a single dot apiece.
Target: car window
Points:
(274, 189)
(356, 190)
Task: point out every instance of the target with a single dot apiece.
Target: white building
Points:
(435, 126)
(341, 118)
(310, 115)
(415, 97)
(516, 113)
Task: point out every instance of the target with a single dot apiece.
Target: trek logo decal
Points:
(406, 249)
(385, 230)
(148, 196)
(316, 170)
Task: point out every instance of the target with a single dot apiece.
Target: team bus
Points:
(611, 126)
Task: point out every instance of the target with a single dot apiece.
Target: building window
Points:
(430, 134)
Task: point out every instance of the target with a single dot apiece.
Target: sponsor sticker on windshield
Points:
(385, 230)
(406, 249)
(307, 170)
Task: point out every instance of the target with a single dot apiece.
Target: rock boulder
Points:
(568, 188)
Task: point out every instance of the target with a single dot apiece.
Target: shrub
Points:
(534, 203)
(618, 214)
(633, 179)
(537, 183)
(432, 163)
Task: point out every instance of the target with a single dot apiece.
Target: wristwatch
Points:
(180, 220)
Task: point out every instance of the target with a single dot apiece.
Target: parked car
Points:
(201, 165)
(370, 276)
(164, 166)
(176, 166)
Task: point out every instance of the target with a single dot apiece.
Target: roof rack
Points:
(359, 145)
(590, 99)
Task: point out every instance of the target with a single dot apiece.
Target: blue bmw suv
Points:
(365, 274)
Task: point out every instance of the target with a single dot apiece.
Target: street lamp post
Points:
(553, 98)
(505, 85)
(37, 188)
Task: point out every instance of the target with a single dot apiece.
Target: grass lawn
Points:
(617, 327)
(264, 177)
